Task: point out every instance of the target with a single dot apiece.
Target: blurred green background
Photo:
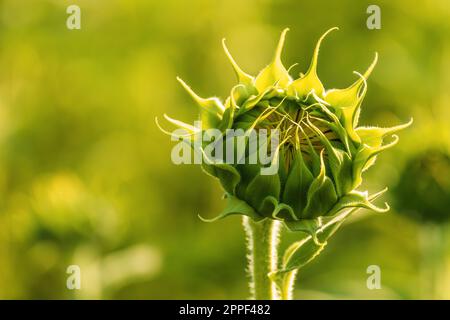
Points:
(86, 176)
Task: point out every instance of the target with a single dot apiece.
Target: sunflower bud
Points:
(321, 153)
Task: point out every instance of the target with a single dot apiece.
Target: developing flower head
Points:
(322, 153)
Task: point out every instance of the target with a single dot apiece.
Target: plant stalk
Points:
(287, 290)
(262, 241)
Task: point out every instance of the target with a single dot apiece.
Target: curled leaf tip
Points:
(317, 241)
(161, 128)
(181, 124)
(395, 139)
(381, 210)
(188, 129)
(360, 87)
(180, 80)
(313, 66)
(157, 124)
(208, 220)
(363, 77)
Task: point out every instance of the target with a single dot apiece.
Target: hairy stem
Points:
(287, 290)
(262, 242)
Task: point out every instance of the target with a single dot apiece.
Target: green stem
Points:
(287, 290)
(262, 242)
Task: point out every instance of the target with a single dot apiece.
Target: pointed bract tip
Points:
(377, 194)
(399, 127)
(241, 75)
(410, 122)
(184, 84)
(328, 31)
(280, 44)
(372, 66)
(324, 35)
(291, 67)
(376, 56)
(224, 45)
(313, 66)
(191, 92)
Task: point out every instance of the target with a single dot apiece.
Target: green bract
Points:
(322, 154)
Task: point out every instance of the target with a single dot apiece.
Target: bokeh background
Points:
(86, 176)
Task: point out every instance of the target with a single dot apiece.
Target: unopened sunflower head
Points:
(321, 154)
